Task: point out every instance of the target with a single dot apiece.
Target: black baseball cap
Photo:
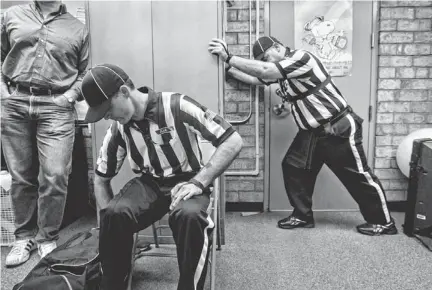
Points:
(98, 87)
(262, 44)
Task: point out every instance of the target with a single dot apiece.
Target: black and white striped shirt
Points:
(308, 86)
(165, 143)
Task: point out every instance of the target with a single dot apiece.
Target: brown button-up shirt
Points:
(50, 53)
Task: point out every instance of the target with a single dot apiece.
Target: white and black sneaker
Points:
(377, 229)
(292, 222)
(20, 252)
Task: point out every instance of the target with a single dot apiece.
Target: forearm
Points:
(243, 77)
(254, 68)
(220, 160)
(103, 191)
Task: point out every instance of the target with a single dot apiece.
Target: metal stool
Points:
(214, 209)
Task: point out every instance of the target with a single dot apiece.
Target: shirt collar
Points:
(61, 10)
(152, 103)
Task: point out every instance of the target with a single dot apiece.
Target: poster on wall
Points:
(325, 28)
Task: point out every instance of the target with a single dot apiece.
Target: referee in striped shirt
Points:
(329, 131)
(158, 133)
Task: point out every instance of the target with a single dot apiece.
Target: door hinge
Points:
(370, 113)
(372, 39)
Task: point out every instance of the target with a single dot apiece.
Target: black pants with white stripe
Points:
(340, 148)
(140, 203)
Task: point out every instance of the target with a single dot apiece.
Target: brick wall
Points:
(404, 99)
(237, 106)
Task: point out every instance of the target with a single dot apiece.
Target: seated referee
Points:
(158, 133)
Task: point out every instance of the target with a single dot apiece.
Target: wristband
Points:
(197, 184)
(228, 58)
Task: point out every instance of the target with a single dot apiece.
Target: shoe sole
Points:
(308, 226)
(392, 232)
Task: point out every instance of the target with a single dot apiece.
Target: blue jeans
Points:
(37, 135)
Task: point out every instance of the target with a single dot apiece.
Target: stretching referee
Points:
(329, 131)
(157, 132)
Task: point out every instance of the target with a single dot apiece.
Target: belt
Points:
(35, 90)
(333, 120)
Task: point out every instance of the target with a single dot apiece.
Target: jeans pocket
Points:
(61, 101)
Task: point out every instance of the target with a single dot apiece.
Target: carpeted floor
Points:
(259, 256)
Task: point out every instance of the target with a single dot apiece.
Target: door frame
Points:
(372, 99)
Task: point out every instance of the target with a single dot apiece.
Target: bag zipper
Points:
(77, 265)
(67, 282)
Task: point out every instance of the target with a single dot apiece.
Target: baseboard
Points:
(244, 206)
(398, 206)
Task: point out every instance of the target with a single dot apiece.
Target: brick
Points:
(385, 118)
(231, 38)
(387, 72)
(244, 106)
(396, 140)
(382, 163)
(242, 164)
(388, 49)
(405, 72)
(243, 15)
(415, 127)
(422, 73)
(425, 37)
(397, 13)
(242, 50)
(424, 12)
(388, 173)
(236, 26)
(231, 84)
(259, 185)
(247, 152)
(244, 185)
(395, 129)
(412, 95)
(398, 184)
(385, 151)
(384, 95)
(383, 140)
(394, 163)
(393, 107)
(247, 130)
(395, 61)
(232, 196)
(404, 3)
(423, 107)
(429, 120)
(414, 25)
(415, 49)
(230, 107)
(232, 15)
(243, 38)
(430, 73)
(396, 37)
(430, 94)
(396, 195)
(408, 118)
(423, 60)
(254, 196)
(418, 84)
(389, 84)
(388, 25)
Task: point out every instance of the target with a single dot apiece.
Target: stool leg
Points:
(129, 286)
(155, 236)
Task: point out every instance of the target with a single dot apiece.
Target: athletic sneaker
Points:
(45, 248)
(20, 252)
(377, 229)
(292, 222)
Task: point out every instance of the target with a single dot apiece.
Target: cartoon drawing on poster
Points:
(325, 29)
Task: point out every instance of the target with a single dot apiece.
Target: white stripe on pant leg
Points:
(361, 169)
(203, 256)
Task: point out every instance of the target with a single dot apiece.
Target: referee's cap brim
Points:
(96, 113)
